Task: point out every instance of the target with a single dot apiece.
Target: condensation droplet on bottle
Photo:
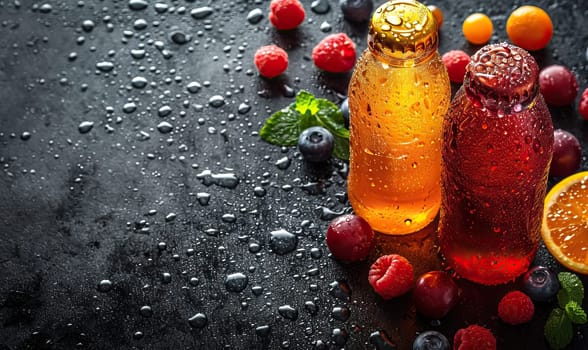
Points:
(537, 146)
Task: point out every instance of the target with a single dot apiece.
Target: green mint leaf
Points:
(307, 120)
(562, 298)
(575, 313)
(341, 149)
(558, 329)
(281, 128)
(305, 101)
(573, 287)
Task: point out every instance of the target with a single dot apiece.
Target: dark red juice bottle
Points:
(497, 147)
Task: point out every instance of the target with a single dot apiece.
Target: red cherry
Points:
(350, 238)
(567, 154)
(558, 85)
(435, 294)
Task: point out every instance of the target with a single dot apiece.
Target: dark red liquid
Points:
(494, 177)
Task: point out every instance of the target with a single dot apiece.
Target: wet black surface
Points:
(116, 120)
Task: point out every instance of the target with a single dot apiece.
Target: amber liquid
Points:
(395, 142)
(494, 177)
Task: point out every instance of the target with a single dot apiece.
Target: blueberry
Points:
(345, 111)
(316, 144)
(540, 283)
(430, 340)
(356, 10)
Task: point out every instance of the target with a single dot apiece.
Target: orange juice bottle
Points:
(398, 96)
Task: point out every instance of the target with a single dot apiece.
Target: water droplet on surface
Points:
(193, 87)
(340, 289)
(161, 7)
(244, 108)
(339, 336)
(140, 24)
(325, 27)
(259, 191)
(166, 278)
(45, 8)
(227, 180)
(146, 311)
(283, 163)
(236, 282)
(129, 107)
(104, 286)
(137, 5)
(138, 335)
(311, 307)
(199, 320)
(263, 331)
(88, 25)
(216, 101)
(283, 242)
(179, 37)
(288, 312)
(85, 127)
(139, 82)
(138, 53)
(203, 198)
(201, 12)
(320, 6)
(254, 16)
(164, 127)
(341, 313)
(164, 111)
(105, 66)
(25, 135)
(380, 341)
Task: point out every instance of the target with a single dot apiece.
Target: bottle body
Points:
(494, 176)
(396, 116)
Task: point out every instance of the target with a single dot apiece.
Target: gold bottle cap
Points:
(403, 30)
(502, 77)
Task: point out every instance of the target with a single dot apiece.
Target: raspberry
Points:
(286, 14)
(335, 53)
(516, 308)
(583, 106)
(474, 337)
(271, 61)
(391, 276)
(456, 61)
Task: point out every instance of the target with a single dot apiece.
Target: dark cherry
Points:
(435, 294)
(567, 154)
(349, 238)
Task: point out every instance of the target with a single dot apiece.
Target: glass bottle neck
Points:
(401, 62)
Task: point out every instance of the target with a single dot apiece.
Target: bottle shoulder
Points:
(369, 64)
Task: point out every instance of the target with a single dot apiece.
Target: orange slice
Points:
(565, 222)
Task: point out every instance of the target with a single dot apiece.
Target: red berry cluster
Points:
(335, 53)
